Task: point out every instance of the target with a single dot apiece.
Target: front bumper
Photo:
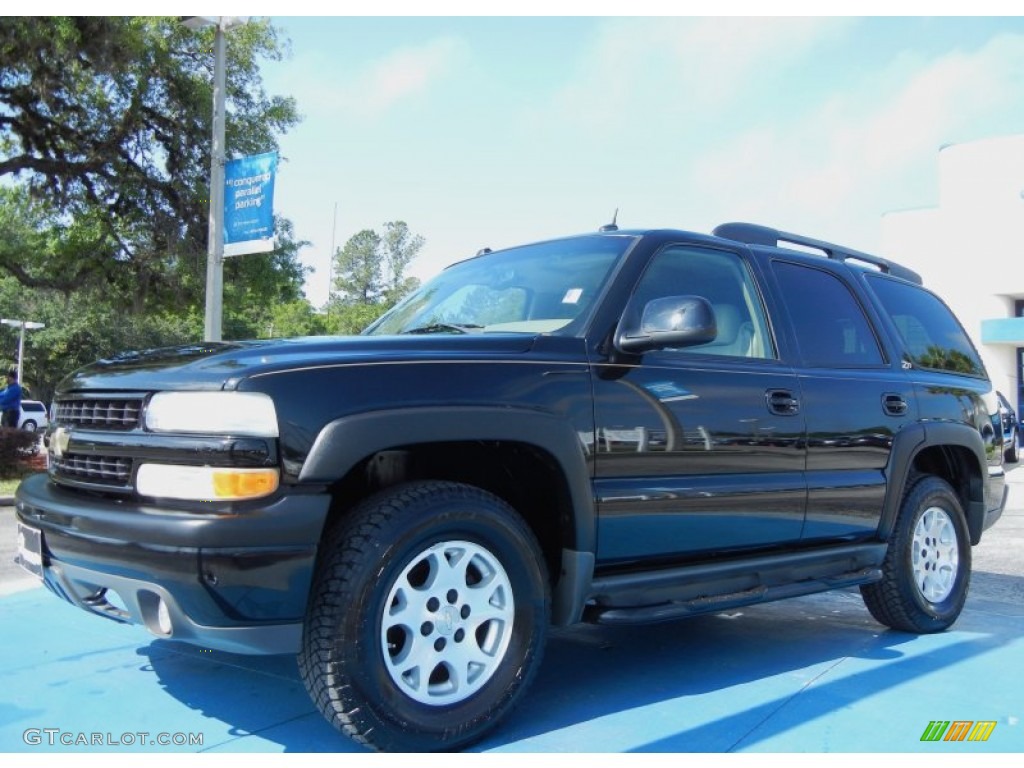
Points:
(231, 579)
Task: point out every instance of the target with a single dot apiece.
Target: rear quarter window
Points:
(832, 329)
(932, 336)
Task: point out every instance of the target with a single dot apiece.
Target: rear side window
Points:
(932, 337)
(36, 407)
(830, 325)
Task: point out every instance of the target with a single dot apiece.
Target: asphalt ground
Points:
(814, 674)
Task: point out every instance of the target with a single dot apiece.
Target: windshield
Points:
(539, 288)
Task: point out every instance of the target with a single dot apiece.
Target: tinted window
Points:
(28, 406)
(830, 325)
(932, 336)
(724, 280)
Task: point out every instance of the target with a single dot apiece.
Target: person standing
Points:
(10, 401)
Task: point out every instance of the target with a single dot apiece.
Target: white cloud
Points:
(379, 85)
(405, 73)
(851, 158)
(692, 63)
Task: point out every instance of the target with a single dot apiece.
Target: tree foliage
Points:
(400, 247)
(369, 275)
(105, 123)
(359, 269)
(104, 185)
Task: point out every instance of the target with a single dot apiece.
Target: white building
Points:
(970, 250)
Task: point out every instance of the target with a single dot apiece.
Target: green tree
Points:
(105, 127)
(81, 327)
(358, 272)
(369, 276)
(296, 318)
(255, 285)
(400, 247)
(351, 319)
(104, 173)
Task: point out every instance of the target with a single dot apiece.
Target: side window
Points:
(932, 336)
(830, 325)
(724, 280)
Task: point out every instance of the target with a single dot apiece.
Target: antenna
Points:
(613, 227)
(330, 264)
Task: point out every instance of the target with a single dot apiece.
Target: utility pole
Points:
(330, 266)
(215, 247)
(212, 326)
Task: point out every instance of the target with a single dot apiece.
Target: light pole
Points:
(23, 324)
(215, 245)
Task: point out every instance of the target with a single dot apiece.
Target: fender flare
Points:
(907, 445)
(343, 443)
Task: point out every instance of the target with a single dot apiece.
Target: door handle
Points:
(781, 402)
(894, 405)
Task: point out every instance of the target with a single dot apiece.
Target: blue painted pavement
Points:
(815, 674)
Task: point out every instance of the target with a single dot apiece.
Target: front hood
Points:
(222, 365)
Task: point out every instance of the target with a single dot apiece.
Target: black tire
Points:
(924, 584)
(1011, 454)
(378, 569)
(29, 426)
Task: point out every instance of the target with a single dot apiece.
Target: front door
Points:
(699, 449)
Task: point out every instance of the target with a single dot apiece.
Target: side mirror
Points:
(673, 321)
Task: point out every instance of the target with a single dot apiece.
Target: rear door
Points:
(855, 399)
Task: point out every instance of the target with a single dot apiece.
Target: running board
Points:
(672, 593)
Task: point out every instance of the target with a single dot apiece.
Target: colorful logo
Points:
(958, 730)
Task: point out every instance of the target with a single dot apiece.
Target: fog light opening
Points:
(163, 617)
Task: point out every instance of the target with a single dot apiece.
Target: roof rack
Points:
(755, 234)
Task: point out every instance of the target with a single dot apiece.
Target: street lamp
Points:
(23, 324)
(215, 244)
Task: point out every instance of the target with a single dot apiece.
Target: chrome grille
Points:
(102, 470)
(106, 413)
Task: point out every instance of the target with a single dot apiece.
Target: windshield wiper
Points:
(443, 328)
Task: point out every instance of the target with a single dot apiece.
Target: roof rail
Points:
(755, 234)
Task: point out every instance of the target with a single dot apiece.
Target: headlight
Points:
(248, 414)
(173, 481)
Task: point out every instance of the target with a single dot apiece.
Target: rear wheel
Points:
(1012, 454)
(427, 617)
(29, 426)
(927, 569)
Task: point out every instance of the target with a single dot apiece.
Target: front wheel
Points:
(927, 568)
(1012, 454)
(427, 617)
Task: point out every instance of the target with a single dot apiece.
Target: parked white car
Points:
(33, 416)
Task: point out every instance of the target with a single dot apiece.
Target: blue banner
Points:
(249, 204)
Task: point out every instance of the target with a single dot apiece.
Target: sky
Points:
(495, 131)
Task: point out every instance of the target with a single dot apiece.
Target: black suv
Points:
(628, 426)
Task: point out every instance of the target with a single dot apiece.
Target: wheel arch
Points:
(484, 447)
(953, 452)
